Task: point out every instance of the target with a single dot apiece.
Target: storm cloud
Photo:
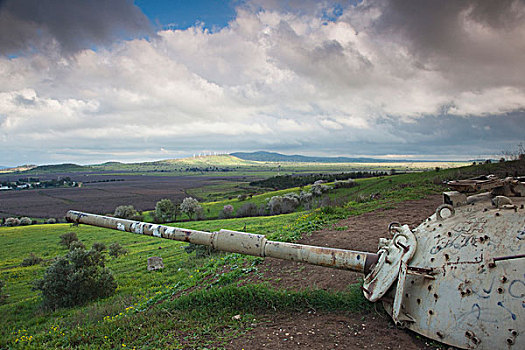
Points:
(45, 25)
(330, 78)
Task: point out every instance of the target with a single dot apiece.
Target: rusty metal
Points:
(440, 279)
(238, 242)
(472, 297)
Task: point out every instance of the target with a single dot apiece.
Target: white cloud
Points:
(282, 79)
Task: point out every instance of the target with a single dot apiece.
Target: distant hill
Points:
(278, 157)
(56, 168)
(19, 168)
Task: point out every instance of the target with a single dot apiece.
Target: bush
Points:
(25, 221)
(3, 296)
(76, 278)
(126, 212)
(67, 238)
(12, 222)
(190, 206)
(31, 260)
(227, 211)
(116, 250)
(165, 211)
(199, 214)
(283, 205)
(344, 183)
(77, 245)
(247, 209)
(319, 189)
(242, 197)
(51, 221)
(99, 247)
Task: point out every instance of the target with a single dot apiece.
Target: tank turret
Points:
(458, 278)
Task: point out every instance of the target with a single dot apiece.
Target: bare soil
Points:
(99, 194)
(344, 330)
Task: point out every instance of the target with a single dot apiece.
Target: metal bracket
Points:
(400, 249)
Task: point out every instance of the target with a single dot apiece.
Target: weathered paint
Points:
(465, 285)
(237, 242)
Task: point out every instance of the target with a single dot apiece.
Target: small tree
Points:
(190, 206)
(165, 211)
(126, 212)
(116, 250)
(24, 221)
(283, 205)
(12, 222)
(227, 211)
(76, 278)
(67, 239)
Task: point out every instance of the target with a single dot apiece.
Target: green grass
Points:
(116, 317)
(191, 302)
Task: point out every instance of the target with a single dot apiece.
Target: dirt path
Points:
(324, 330)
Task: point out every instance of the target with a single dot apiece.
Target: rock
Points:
(155, 263)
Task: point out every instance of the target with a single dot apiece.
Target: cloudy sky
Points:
(92, 81)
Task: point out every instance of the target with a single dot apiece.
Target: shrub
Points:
(77, 245)
(165, 211)
(99, 247)
(126, 212)
(241, 197)
(76, 278)
(12, 222)
(190, 206)
(116, 250)
(319, 189)
(344, 183)
(31, 260)
(25, 221)
(306, 198)
(283, 205)
(227, 211)
(199, 214)
(51, 221)
(247, 209)
(3, 296)
(67, 238)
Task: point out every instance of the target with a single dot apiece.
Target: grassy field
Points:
(137, 315)
(189, 304)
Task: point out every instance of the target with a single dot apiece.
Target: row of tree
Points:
(287, 181)
(165, 210)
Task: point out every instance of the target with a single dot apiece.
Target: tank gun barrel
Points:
(238, 242)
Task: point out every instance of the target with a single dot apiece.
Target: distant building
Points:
(5, 188)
